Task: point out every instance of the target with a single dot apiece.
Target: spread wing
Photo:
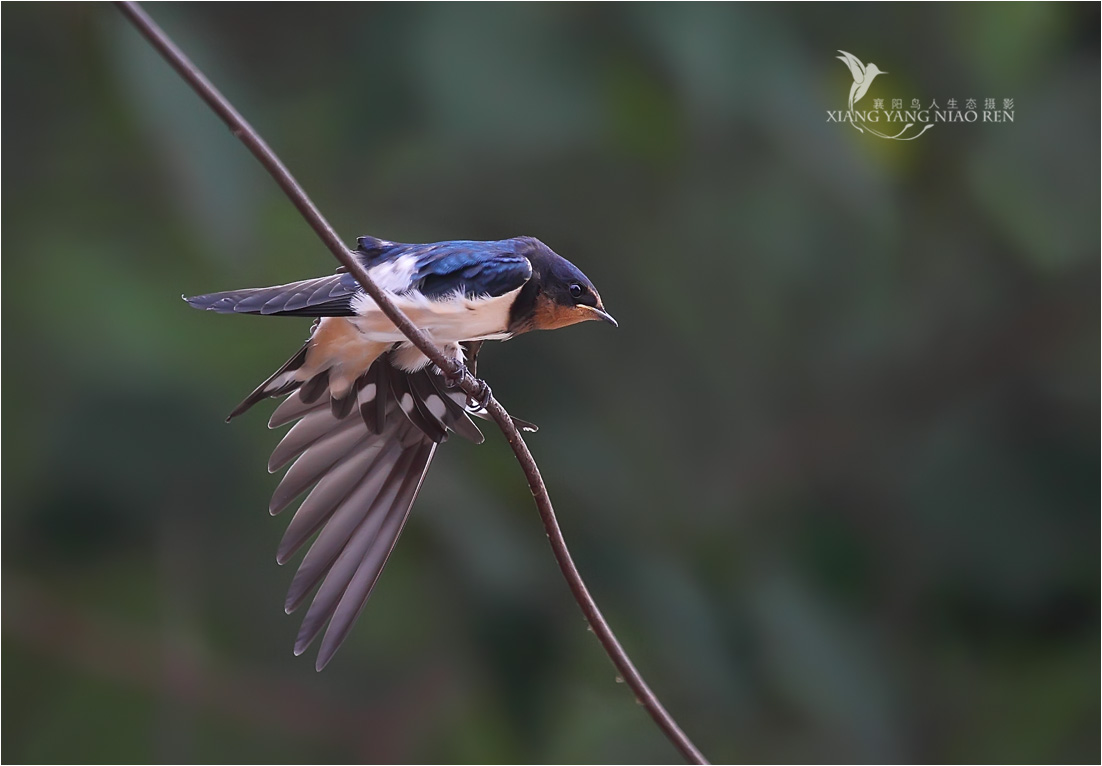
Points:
(856, 68)
(437, 270)
(365, 470)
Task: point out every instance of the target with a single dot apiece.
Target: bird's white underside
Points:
(448, 320)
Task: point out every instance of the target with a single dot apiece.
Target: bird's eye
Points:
(576, 291)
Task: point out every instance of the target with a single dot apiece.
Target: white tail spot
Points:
(436, 406)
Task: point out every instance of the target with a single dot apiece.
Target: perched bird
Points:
(371, 408)
(862, 76)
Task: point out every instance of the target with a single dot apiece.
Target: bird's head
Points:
(557, 295)
(872, 70)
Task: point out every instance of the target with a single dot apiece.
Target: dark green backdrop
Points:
(834, 479)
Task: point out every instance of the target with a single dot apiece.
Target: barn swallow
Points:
(370, 407)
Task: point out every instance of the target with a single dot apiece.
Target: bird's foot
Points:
(453, 379)
(480, 400)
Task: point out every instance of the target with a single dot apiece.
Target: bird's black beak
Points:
(600, 313)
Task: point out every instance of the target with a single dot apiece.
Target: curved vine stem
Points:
(469, 384)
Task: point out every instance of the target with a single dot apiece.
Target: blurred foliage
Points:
(833, 479)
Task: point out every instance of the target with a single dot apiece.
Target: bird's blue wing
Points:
(474, 269)
(471, 268)
(329, 296)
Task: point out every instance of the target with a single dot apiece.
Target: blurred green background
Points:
(834, 480)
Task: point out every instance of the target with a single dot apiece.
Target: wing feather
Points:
(436, 270)
(336, 534)
(324, 296)
(340, 554)
(329, 494)
(372, 562)
(361, 471)
(315, 462)
(313, 426)
(292, 408)
(429, 388)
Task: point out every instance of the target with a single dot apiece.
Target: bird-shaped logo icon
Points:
(862, 76)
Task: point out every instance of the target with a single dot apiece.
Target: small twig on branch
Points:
(469, 384)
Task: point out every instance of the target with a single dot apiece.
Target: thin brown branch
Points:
(473, 387)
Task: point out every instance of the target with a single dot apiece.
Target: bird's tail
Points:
(365, 431)
(329, 364)
(361, 473)
(282, 381)
(318, 372)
